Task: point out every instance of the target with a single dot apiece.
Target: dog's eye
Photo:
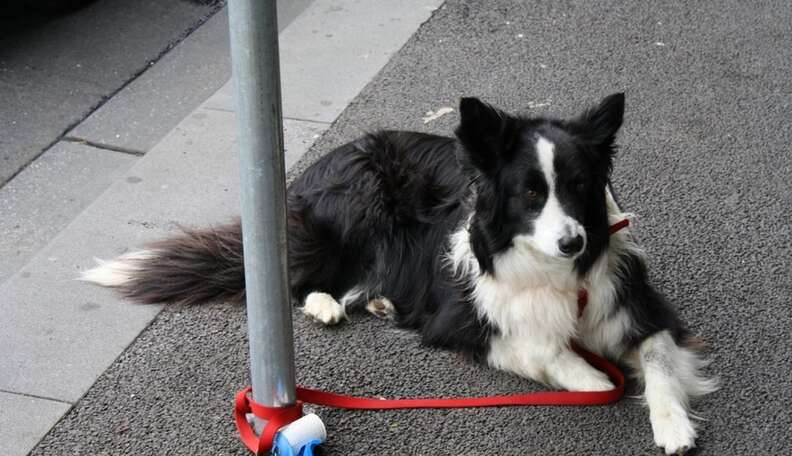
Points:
(579, 185)
(531, 194)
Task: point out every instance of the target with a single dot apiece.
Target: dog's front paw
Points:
(572, 373)
(592, 381)
(323, 308)
(673, 431)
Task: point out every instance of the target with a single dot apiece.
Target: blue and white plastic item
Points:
(300, 437)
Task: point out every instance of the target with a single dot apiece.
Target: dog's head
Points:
(540, 183)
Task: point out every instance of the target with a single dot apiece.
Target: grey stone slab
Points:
(103, 44)
(147, 109)
(299, 136)
(54, 71)
(24, 420)
(223, 99)
(41, 200)
(34, 112)
(143, 112)
(334, 49)
(57, 335)
(289, 10)
(197, 182)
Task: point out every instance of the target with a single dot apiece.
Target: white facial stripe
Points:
(553, 223)
(546, 151)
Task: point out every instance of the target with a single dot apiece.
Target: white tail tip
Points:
(118, 272)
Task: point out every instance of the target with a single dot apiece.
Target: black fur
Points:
(376, 214)
(648, 309)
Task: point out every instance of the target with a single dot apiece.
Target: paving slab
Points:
(28, 128)
(57, 335)
(330, 54)
(62, 181)
(20, 431)
(148, 108)
(703, 162)
(300, 136)
(41, 200)
(54, 71)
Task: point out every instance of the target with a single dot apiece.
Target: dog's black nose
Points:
(570, 245)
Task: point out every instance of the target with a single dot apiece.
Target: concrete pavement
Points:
(58, 185)
(56, 70)
(49, 193)
(704, 161)
(57, 335)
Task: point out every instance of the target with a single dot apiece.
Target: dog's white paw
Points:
(673, 431)
(572, 373)
(382, 308)
(590, 381)
(323, 308)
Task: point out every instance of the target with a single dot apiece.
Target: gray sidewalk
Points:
(56, 69)
(704, 161)
(58, 335)
(86, 159)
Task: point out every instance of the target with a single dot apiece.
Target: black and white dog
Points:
(480, 243)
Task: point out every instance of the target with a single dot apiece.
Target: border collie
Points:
(479, 243)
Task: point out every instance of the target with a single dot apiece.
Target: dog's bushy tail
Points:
(193, 267)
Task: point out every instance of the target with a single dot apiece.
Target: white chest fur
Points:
(532, 301)
(541, 312)
(529, 297)
(535, 325)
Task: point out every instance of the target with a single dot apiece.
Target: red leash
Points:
(278, 417)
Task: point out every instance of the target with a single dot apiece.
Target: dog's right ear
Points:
(482, 131)
(601, 123)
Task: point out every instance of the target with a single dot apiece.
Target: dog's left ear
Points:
(483, 131)
(600, 124)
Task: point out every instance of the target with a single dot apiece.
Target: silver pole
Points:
(256, 72)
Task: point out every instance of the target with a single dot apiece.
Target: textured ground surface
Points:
(705, 162)
(55, 70)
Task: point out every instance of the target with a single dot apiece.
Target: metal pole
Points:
(256, 72)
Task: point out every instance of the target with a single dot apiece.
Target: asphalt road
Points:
(57, 69)
(705, 162)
